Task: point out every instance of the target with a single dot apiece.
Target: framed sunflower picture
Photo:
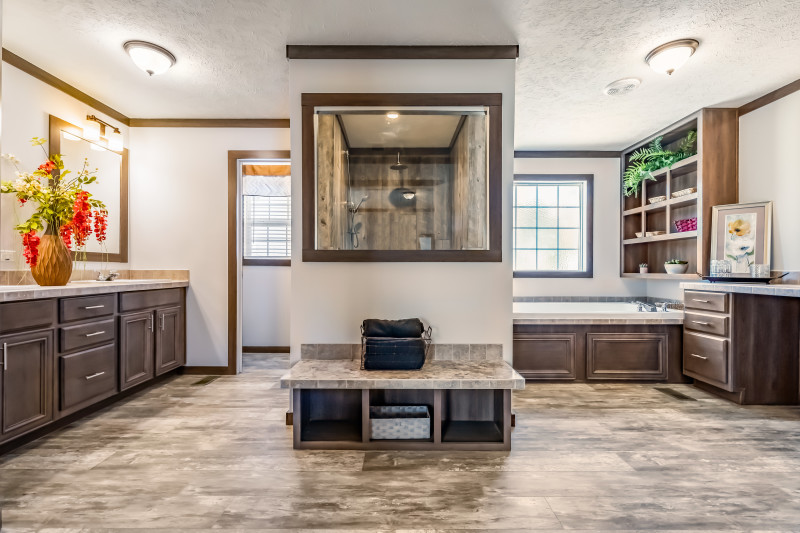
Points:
(742, 234)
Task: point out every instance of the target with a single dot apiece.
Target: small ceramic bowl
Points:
(673, 268)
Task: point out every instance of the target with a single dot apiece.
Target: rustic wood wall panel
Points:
(331, 184)
(470, 213)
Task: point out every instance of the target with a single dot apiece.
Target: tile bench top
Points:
(347, 374)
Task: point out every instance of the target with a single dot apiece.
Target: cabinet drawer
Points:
(30, 314)
(85, 335)
(84, 307)
(706, 358)
(706, 301)
(131, 301)
(717, 325)
(86, 377)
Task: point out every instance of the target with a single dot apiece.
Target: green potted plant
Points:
(652, 157)
(676, 266)
(643, 268)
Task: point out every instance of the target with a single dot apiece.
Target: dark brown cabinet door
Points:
(170, 349)
(26, 382)
(546, 355)
(136, 334)
(626, 356)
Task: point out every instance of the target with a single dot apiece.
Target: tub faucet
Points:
(641, 307)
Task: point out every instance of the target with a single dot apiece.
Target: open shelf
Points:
(711, 172)
(472, 431)
(665, 237)
(660, 275)
(332, 430)
(331, 415)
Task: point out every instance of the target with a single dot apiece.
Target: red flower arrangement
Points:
(64, 205)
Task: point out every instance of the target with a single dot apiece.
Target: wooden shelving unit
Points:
(712, 171)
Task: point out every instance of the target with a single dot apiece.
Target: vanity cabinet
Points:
(60, 356)
(743, 347)
(589, 352)
(26, 378)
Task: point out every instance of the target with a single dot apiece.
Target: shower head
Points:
(398, 165)
(355, 209)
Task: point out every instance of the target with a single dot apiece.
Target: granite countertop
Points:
(12, 293)
(590, 313)
(347, 374)
(780, 289)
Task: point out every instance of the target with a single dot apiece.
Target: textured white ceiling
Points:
(231, 55)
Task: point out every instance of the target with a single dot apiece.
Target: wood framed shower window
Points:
(492, 102)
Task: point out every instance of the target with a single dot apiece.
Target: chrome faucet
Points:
(110, 277)
(641, 307)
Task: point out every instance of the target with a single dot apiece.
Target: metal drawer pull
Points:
(5, 355)
(701, 323)
(700, 357)
(150, 319)
(95, 333)
(701, 301)
(95, 375)
(94, 307)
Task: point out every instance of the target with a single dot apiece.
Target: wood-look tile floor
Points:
(183, 457)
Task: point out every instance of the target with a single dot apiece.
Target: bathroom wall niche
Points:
(402, 177)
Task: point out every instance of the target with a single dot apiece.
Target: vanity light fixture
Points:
(92, 132)
(149, 57)
(671, 56)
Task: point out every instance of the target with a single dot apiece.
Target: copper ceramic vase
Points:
(54, 266)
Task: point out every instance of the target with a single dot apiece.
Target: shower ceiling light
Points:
(408, 194)
(149, 57)
(392, 115)
(671, 56)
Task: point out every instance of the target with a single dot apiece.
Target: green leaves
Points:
(652, 157)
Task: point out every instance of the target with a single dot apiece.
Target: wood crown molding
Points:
(42, 75)
(295, 51)
(768, 98)
(209, 122)
(573, 154)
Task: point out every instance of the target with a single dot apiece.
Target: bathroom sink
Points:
(89, 282)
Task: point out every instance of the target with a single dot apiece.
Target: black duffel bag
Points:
(400, 329)
(389, 353)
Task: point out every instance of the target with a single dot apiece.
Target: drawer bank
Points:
(63, 357)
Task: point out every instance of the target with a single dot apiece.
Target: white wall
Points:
(606, 280)
(179, 219)
(769, 169)
(266, 301)
(27, 106)
(464, 302)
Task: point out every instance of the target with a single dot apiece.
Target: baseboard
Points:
(265, 349)
(208, 371)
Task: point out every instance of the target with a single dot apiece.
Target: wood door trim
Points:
(233, 264)
(265, 349)
(298, 51)
(770, 97)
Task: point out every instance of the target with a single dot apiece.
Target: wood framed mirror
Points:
(402, 177)
(111, 186)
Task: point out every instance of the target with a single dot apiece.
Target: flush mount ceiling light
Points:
(392, 115)
(671, 56)
(149, 57)
(621, 87)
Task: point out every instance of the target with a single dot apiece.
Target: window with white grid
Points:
(552, 226)
(267, 230)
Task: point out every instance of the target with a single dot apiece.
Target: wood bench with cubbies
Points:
(468, 402)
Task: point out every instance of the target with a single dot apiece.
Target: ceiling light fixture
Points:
(392, 115)
(671, 56)
(149, 57)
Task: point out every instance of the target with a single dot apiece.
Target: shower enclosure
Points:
(402, 178)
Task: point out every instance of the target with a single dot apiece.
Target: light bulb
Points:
(392, 115)
(149, 57)
(91, 130)
(409, 195)
(115, 141)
